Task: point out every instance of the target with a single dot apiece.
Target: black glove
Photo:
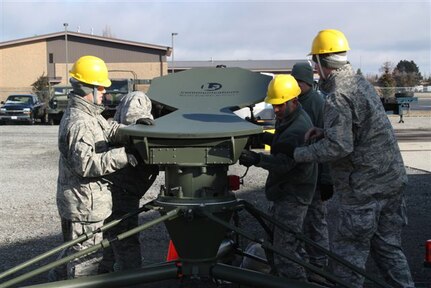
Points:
(251, 120)
(249, 158)
(284, 148)
(267, 138)
(133, 156)
(145, 121)
(326, 191)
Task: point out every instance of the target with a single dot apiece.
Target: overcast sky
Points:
(377, 31)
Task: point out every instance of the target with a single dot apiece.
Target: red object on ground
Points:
(172, 252)
(427, 261)
(234, 182)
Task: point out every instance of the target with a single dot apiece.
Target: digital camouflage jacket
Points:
(359, 141)
(87, 153)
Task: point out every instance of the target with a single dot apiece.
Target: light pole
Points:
(67, 52)
(173, 68)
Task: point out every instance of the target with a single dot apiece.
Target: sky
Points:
(377, 31)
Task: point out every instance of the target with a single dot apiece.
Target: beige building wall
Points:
(22, 64)
(20, 67)
(142, 70)
(145, 71)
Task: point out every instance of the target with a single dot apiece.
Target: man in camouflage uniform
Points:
(135, 105)
(366, 165)
(315, 225)
(86, 155)
(290, 186)
(128, 187)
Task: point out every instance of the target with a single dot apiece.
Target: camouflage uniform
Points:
(133, 106)
(315, 225)
(129, 185)
(83, 197)
(291, 187)
(369, 177)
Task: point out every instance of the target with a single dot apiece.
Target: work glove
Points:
(326, 191)
(313, 134)
(131, 159)
(249, 158)
(267, 138)
(145, 121)
(133, 156)
(284, 148)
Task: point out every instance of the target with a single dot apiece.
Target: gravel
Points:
(29, 221)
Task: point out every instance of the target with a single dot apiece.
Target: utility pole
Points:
(173, 68)
(67, 53)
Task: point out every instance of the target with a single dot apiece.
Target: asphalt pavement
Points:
(30, 224)
(414, 139)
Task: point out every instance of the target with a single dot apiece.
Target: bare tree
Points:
(41, 88)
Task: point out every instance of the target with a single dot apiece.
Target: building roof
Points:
(253, 65)
(88, 36)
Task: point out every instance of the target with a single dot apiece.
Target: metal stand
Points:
(193, 268)
(195, 264)
(195, 146)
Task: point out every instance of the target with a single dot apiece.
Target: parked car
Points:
(58, 103)
(23, 108)
(60, 98)
(118, 89)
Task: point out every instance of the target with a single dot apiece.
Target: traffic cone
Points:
(172, 252)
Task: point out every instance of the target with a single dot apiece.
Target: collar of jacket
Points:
(328, 85)
(80, 103)
(305, 97)
(289, 119)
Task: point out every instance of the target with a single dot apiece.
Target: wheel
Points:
(54, 119)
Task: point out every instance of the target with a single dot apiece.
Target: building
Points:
(262, 66)
(23, 61)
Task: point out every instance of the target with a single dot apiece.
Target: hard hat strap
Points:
(95, 95)
(320, 67)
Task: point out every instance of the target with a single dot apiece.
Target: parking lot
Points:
(30, 225)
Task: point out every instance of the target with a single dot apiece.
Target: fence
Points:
(390, 92)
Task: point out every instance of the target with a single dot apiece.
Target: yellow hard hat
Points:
(282, 89)
(91, 70)
(329, 41)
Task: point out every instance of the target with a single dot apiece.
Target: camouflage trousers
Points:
(84, 266)
(316, 229)
(290, 214)
(124, 254)
(373, 228)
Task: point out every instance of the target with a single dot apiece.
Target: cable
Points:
(245, 173)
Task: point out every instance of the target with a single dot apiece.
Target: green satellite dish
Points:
(203, 101)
